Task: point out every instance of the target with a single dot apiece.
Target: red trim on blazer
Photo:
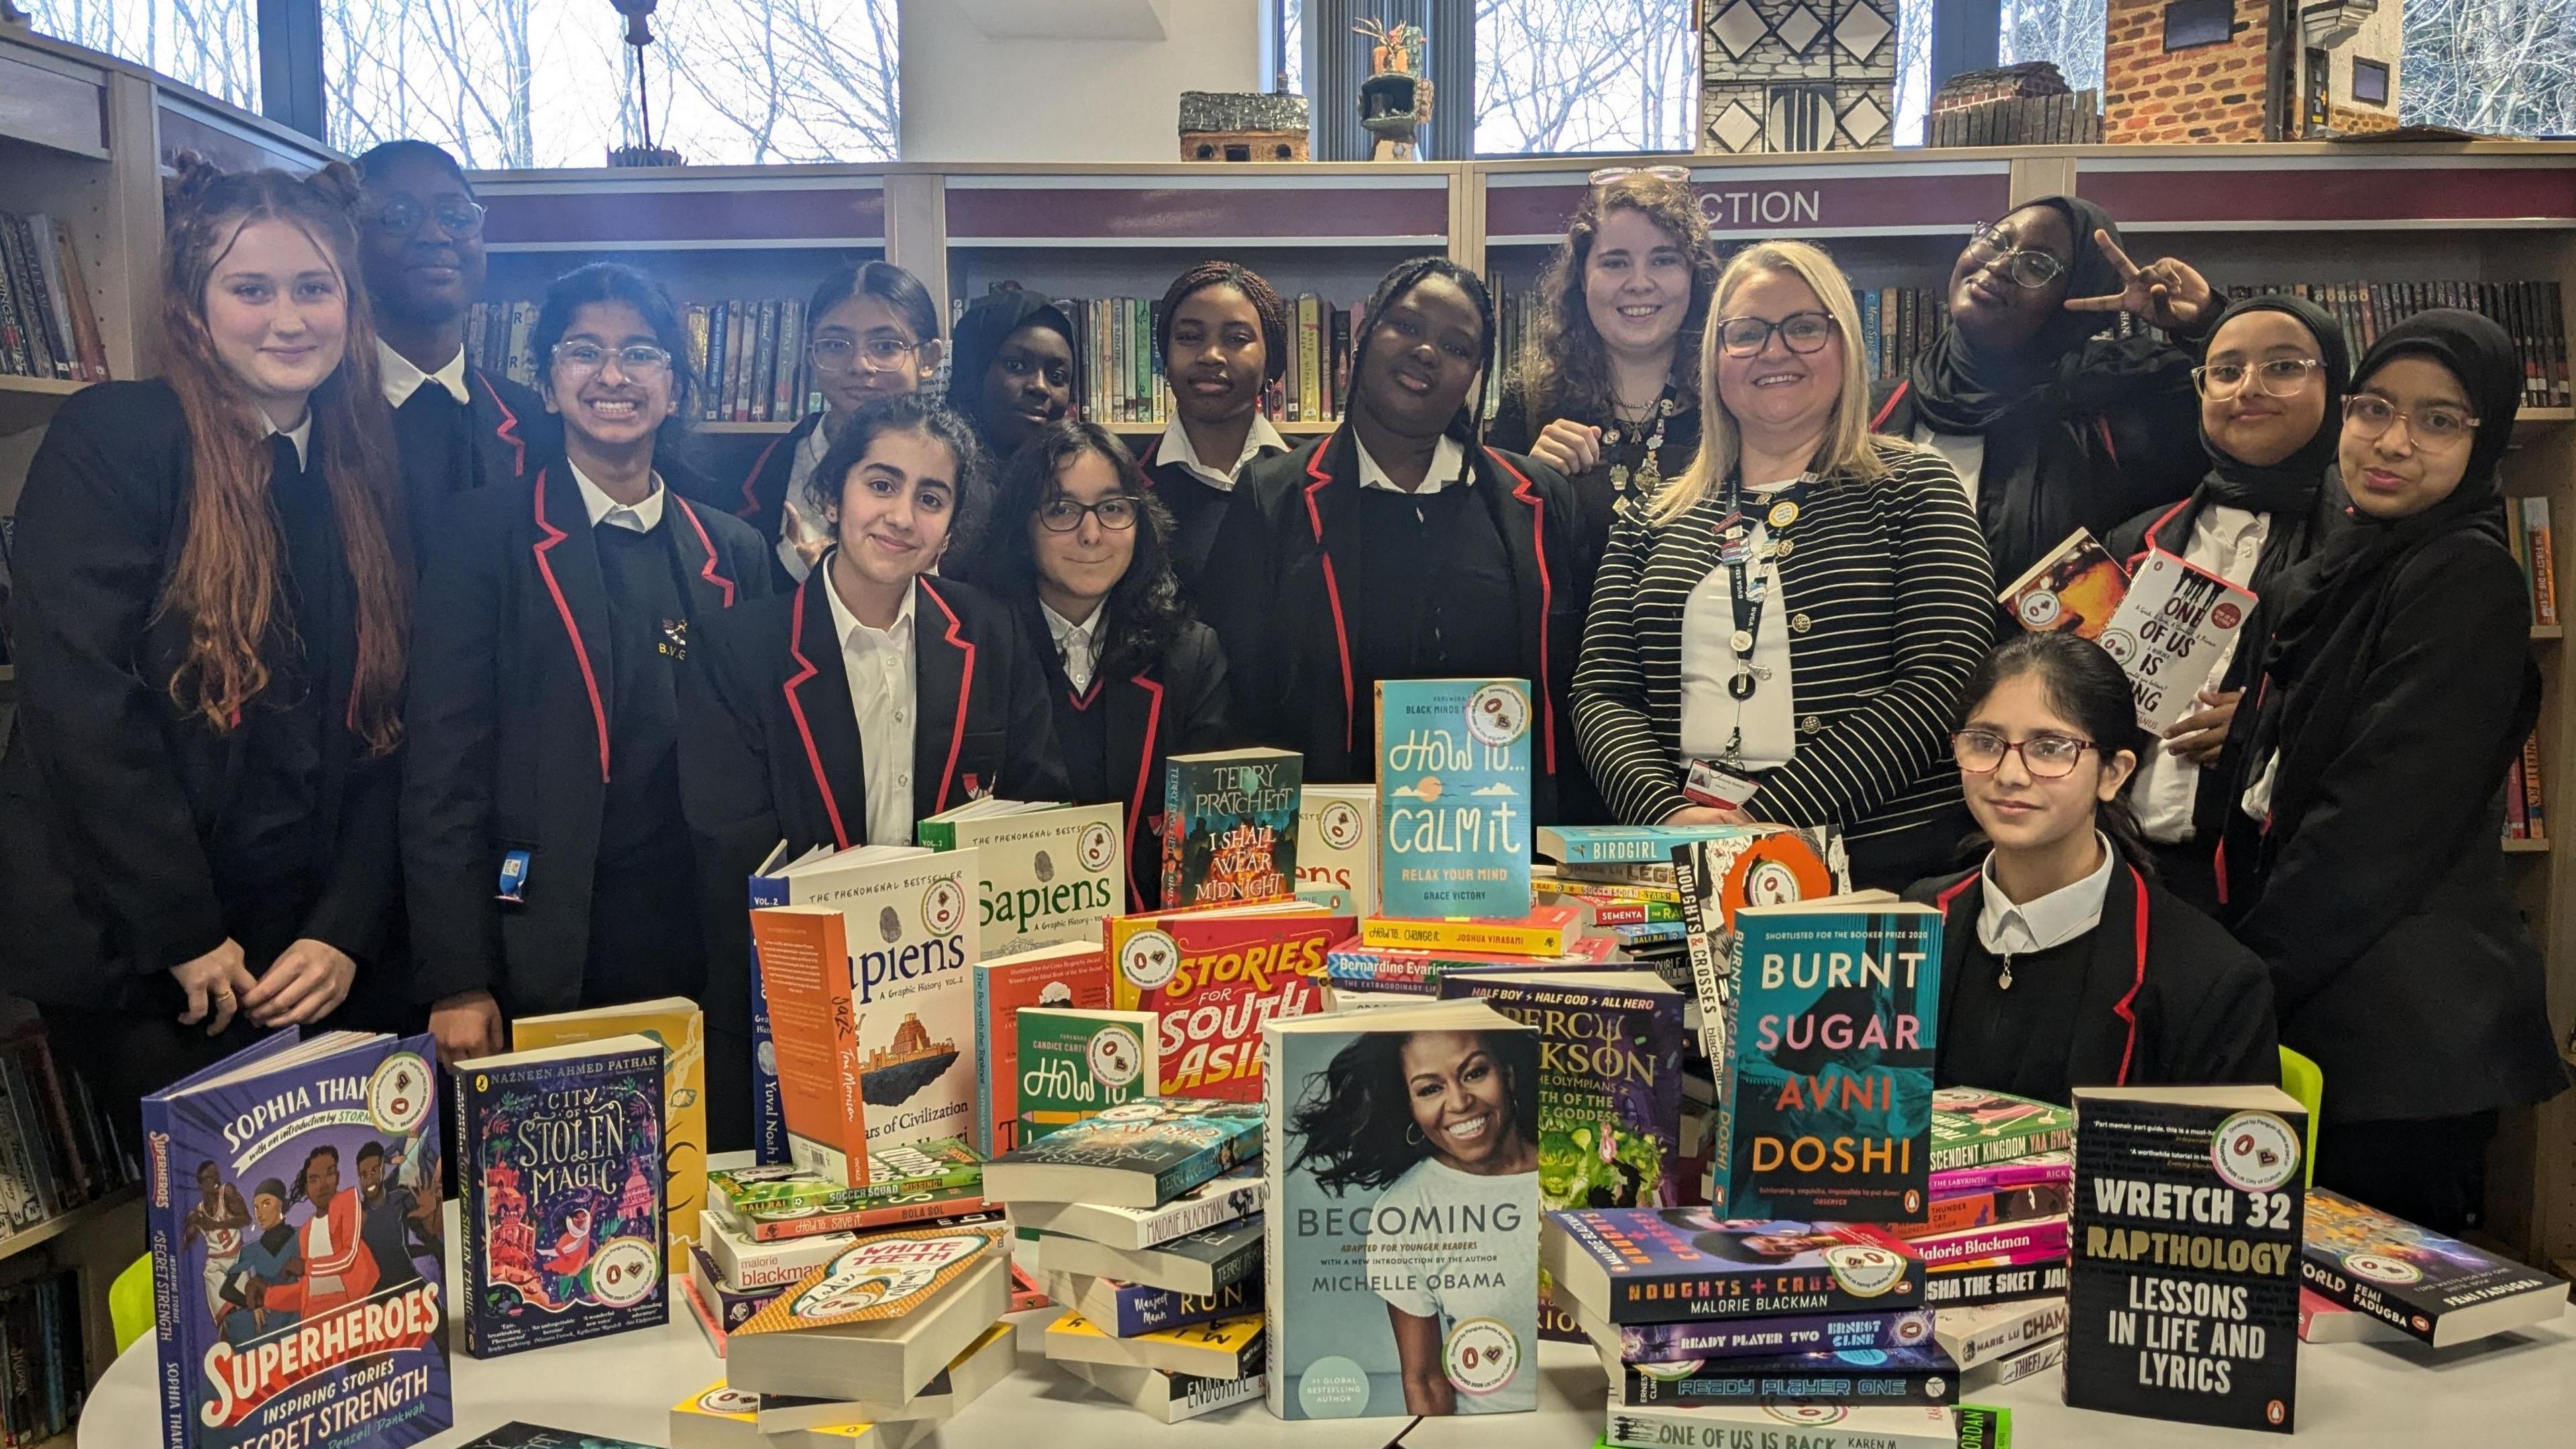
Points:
(1888, 408)
(1546, 597)
(2102, 430)
(2218, 863)
(751, 500)
(707, 570)
(1144, 780)
(1942, 901)
(796, 711)
(965, 688)
(1333, 590)
(2125, 1010)
(508, 432)
(2149, 541)
(1145, 460)
(572, 630)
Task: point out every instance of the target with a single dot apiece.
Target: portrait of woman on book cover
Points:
(1446, 1123)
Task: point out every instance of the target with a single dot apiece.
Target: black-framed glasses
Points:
(1063, 515)
(402, 215)
(640, 360)
(2026, 266)
(1799, 332)
(2047, 757)
(1608, 174)
(877, 354)
(2276, 377)
(2436, 427)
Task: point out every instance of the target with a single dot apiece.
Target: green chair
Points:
(129, 1302)
(2303, 1079)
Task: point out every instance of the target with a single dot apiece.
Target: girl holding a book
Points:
(872, 329)
(211, 630)
(1224, 341)
(1082, 551)
(1797, 610)
(2065, 963)
(2396, 688)
(1011, 372)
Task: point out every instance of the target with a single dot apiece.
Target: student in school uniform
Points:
(1082, 548)
(197, 803)
(2271, 412)
(875, 330)
(2065, 963)
(456, 426)
(547, 860)
(1607, 389)
(2397, 687)
(1401, 547)
(2050, 427)
(1011, 372)
(1799, 607)
(1224, 338)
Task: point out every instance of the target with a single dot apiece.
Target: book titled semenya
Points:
(1453, 790)
(297, 1255)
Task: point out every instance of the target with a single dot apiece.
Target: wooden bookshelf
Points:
(65, 1222)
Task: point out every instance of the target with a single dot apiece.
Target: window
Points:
(1585, 75)
(2067, 33)
(210, 44)
(2501, 67)
(526, 83)
(1288, 40)
(2313, 73)
(2370, 81)
(2198, 22)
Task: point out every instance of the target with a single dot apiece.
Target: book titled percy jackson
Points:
(1230, 826)
(297, 1255)
(1453, 793)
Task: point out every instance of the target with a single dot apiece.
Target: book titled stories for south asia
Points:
(2427, 1286)
(562, 1211)
(1825, 1089)
(322, 1321)
(2183, 1293)
(1230, 826)
(1395, 1204)
(1453, 791)
(1214, 977)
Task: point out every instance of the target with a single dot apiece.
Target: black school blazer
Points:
(1274, 595)
(512, 692)
(762, 502)
(1197, 510)
(110, 793)
(2170, 999)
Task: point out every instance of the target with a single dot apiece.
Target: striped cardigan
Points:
(1889, 602)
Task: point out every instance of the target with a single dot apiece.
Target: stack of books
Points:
(2003, 1158)
(1148, 1227)
(47, 327)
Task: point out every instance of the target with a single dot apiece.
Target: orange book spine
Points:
(2533, 796)
(813, 1025)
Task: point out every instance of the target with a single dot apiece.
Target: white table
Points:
(2519, 1390)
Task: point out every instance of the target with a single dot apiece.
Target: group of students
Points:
(358, 684)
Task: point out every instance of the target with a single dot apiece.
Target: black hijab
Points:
(1958, 389)
(979, 337)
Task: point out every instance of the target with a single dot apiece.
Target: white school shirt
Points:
(1176, 448)
(879, 663)
(1709, 714)
(802, 526)
(2229, 542)
(1964, 452)
(1448, 465)
(301, 435)
(1076, 644)
(2052, 920)
(641, 517)
(402, 379)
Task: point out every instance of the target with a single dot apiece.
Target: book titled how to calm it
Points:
(1453, 794)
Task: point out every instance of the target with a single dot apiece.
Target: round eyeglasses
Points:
(402, 215)
(1063, 515)
(2026, 267)
(1799, 332)
(2046, 757)
(2277, 377)
(2436, 427)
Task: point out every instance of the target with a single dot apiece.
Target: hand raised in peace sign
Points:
(2166, 293)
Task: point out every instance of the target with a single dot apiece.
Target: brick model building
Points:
(1797, 75)
(2248, 70)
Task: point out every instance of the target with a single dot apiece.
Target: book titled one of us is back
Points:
(1453, 790)
(1230, 826)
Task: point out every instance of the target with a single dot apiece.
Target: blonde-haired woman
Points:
(1796, 611)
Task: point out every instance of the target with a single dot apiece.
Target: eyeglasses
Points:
(2047, 757)
(2279, 377)
(2026, 267)
(2436, 428)
(1062, 515)
(583, 358)
(878, 354)
(401, 215)
(1608, 174)
(1799, 332)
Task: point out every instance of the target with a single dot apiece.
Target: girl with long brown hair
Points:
(211, 629)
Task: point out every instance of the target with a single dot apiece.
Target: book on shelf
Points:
(2534, 547)
(330, 1143)
(2074, 589)
(1226, 1199)
(1230, 827)
(1337, 848)
(1047, 873)
(1453, 791)
(1678, 1265)
(1211, 1260)
(2526, 810)
(1073, 976)
(680, 1027)
(1213, 977)
(2430, 1287)
(1139, 1155)
(878, 1321)
(749, 354)
(1219, 1348)
(58, 1150)
(41, 1342)
(1918, 1373)
(1374, 1212)
(2530, 312)
(1779, 1426)
(48, 327)
(1124, 1310)
(981, 1365)
(1074, 1064)
(1168, 1398)
(562, 1194)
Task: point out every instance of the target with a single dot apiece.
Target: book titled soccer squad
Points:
(1453, 790)
(297, 1256)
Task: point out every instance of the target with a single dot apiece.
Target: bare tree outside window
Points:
(1913, 70)
(2503, 67)
(210, 44)
(2065, 32)
(1586, 75)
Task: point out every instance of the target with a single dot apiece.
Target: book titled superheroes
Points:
(563, 1217)
(297, 1257)
(1453, 792)
(1230, 826)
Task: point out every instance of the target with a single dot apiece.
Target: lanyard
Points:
(1746, 595)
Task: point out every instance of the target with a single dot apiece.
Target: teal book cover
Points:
(1453, 790)
(1825, 1087)
(1230, 827)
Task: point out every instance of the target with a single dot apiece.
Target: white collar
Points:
(301, 435)
(847, 624)
(1448, 465)
(402, 378)
(641, 517)
(1060, 628)
(2053, 919)
(1177, 448)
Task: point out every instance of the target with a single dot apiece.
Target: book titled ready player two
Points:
(297, 1257)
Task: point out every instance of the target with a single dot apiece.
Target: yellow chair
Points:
(2304, 1080)
(129, 1302)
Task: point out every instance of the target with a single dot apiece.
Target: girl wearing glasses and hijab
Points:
(2050, 427)
(2064, 963)
(546, 855)
(2395, 690)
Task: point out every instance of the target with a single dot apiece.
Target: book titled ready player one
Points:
(1453, 790)
(322, 1322)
